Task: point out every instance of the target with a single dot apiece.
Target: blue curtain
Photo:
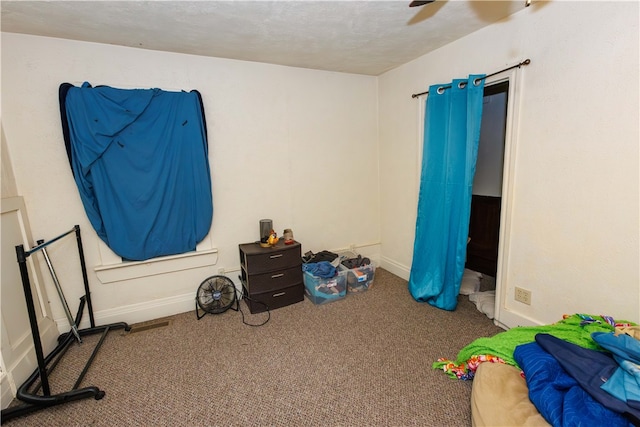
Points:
(451, 134)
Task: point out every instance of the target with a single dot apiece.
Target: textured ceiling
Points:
(362, 37)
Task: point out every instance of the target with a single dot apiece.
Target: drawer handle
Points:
(279, 294)
(275, 256)
(275, 276)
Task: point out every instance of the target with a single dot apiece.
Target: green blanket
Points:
(576, 329)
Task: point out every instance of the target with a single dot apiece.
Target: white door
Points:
(18, 354)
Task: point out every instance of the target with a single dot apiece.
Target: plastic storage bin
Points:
(359, 279)
(321, 291)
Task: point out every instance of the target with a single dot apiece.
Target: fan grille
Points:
(216, 294)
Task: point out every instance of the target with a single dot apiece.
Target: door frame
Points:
(18, 361)
(504, 317)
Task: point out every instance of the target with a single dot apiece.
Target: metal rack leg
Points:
(33, 401)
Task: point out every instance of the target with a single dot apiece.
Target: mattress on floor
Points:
(500, 398)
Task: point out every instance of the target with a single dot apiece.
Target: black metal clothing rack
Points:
(27, 392)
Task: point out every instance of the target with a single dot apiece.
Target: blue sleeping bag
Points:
(140, 161)
(557, 395)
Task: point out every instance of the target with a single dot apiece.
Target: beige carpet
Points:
(361, 361)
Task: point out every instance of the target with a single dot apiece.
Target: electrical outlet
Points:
(523, 295)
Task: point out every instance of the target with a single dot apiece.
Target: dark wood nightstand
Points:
(271, 275)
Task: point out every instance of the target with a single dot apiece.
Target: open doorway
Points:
(486, 201)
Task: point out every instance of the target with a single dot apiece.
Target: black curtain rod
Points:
(518, 65)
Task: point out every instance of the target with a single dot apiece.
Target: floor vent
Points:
(141, 327)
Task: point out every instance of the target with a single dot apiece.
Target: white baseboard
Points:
(394, 267)
(6, 394)
(25, 362)
(508, 319)
(164, 307)
(136, 313)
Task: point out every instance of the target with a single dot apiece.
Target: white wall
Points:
(8, 184)
(295, 145)
(299, 146)
(573, 235)
(488, 178)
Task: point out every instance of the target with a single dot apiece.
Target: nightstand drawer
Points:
(256, 260)
(275, 299)
(274, 280)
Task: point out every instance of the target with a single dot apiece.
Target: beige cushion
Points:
(500, 398)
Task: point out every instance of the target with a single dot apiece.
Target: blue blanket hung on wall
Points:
(140, 160)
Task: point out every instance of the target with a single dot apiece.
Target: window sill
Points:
(137, 269)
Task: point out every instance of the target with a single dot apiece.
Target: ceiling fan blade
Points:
(415, 3)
